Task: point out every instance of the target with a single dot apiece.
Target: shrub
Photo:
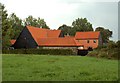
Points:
(40, 51)
(93, 53)
(102, 54)
(114, 53)
(105, 53)
(100, 47)
(111, 45)
(104, 50)
(118, 43)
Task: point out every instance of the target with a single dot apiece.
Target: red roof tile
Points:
(53, 33)
(87, 35)
(57, 42)
(43, 33)
(78, 43)
(12, 41)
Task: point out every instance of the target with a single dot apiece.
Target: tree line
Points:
(12, 25)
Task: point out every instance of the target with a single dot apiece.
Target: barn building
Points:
(33, 37)
(89, 40)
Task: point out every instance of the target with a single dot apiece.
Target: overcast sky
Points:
(57, 12)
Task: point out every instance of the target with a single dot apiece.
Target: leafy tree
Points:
(30, 20)
(65, 29)
(16, 24)
(105, 33)
(6, 28)
(81, 24)
(42, 23)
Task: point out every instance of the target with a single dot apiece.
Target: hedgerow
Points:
(40, 51)
(111, 51)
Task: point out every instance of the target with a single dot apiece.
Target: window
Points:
(88, 41)
(94, 41)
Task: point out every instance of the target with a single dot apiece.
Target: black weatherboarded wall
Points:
(25, 40)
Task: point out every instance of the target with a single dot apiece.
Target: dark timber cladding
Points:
(25, 40)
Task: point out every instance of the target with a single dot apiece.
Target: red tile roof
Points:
(53, 33)
(12, 41)
(78, 43)
(87, 35)
(43, 33)
(57, 42)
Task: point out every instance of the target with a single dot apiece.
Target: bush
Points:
(40, 51)
(93, 53)
(114, 53)
(102, 55)
(104, 50)
(105, 53)
(118, 43)
(100, 47)
(111, 45)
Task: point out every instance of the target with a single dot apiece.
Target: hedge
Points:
(106, 53)
(40, 51)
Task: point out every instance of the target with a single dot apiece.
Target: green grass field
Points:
(55, 68)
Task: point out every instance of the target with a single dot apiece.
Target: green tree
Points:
(6, 28)
(42, 23)
(65, 29)
(16, 24)
(81, 24)
(30, 20)
(105, 33)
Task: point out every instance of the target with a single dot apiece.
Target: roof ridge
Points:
(36, 27)
(87, 35)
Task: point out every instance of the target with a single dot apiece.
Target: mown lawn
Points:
(20, 67)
